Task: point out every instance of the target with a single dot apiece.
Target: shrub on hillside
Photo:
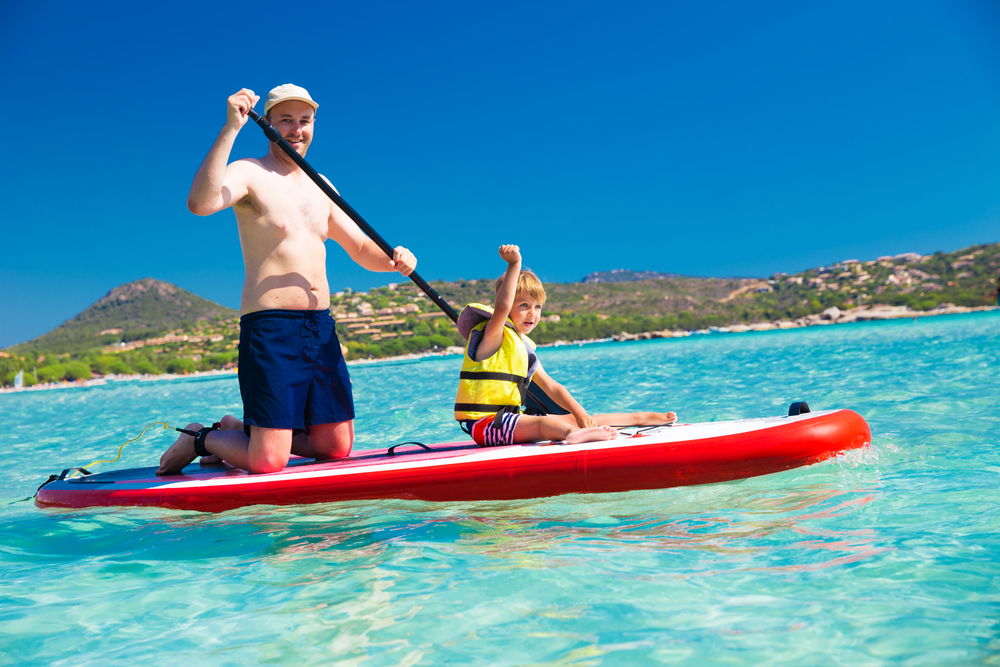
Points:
(180, 365)
(438, 340)
(51, 373)
(417, 343)
(120, 367)
(219, 360)
(146, 367)
(102, 364)
(77, 370)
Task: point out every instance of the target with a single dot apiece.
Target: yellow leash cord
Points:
(165, 425)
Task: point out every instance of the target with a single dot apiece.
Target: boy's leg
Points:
(531, 428)
(627, 418)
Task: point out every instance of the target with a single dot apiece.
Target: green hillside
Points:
(141, 309)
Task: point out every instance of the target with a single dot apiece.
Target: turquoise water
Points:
(887, 556)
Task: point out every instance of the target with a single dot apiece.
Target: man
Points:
(293, 378)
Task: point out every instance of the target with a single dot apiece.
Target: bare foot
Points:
(667, 417)
(592, 434)
(179, 454)
(227, 423)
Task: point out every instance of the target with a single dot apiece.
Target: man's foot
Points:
(227, 423)
(593, 434)
(179, 454)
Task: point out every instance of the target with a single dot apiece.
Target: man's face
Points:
(526, 312)
(294, 120)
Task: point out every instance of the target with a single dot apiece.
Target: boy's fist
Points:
(510, 254)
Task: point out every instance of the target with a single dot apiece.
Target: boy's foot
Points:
(666, 417)
(593, 434)
(179, 454)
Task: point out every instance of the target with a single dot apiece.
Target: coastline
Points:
(830, 316)
(110, 379)
(877, 312)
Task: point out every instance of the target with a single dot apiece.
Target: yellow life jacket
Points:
(497, 384)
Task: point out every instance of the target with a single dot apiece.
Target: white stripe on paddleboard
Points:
(674, 434)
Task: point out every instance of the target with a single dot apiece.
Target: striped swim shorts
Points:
(487, 435)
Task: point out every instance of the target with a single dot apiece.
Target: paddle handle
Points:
(273, 135)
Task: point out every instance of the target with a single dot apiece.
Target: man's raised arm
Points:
(211, 190)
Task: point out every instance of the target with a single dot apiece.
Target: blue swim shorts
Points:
(292, 372)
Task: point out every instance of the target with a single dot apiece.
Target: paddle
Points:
(536, 398)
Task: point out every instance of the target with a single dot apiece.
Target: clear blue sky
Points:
(723, 138)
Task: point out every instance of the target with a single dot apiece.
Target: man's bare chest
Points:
(288, 207)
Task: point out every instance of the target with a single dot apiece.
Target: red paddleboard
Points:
(640, 458)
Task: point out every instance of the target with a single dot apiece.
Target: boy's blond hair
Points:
(527, 282)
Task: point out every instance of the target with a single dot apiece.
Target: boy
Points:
(500, 361)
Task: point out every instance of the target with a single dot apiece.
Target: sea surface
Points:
(890, 555)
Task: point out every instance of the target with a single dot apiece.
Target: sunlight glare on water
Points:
(884, 555)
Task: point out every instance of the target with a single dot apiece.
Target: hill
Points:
(134, 311)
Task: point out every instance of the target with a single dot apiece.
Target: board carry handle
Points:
(61, 476)
(392, 450)
(798, 408)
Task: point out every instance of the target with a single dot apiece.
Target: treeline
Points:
(86, 366)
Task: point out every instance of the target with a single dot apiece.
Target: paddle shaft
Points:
(540, 402)
(276, 137)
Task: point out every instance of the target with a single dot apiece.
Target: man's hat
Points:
(286, 92)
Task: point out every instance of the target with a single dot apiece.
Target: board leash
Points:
(165, 426)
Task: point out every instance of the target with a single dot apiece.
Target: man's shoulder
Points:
(247, 164)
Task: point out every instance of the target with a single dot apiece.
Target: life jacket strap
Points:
(490, 375)
(479, 407)
(500, 411)
(519, 380)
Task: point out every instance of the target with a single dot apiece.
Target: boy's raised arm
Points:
(493, 334)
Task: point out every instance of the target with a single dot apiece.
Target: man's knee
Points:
(332, 440)
(269, 449)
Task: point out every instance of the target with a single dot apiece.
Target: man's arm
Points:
(563, 398)
(362, 249)
(493, 334)
(217, 185)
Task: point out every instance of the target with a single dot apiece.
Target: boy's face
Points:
(526, 312)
